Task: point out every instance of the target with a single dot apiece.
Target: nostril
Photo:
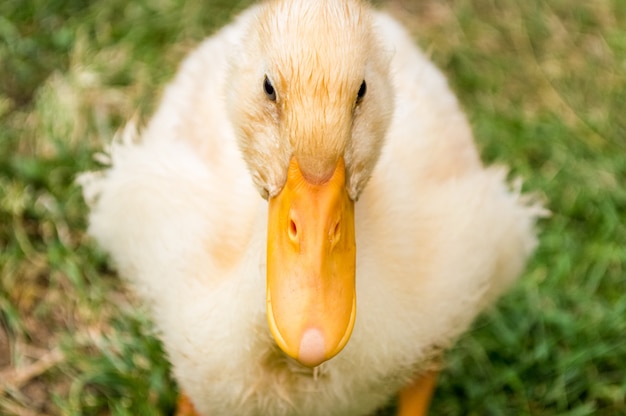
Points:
(336, 231)
(293, 230)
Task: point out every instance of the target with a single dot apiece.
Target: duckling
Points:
(307, 216)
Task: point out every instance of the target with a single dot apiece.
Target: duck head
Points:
(310, 97)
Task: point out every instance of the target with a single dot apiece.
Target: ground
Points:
(544, 85)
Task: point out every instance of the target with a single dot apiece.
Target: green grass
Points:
(544, 84)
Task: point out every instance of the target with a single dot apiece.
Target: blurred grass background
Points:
(544, 84)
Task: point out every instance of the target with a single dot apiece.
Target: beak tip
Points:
(312, 350)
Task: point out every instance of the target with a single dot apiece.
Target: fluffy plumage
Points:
(180, 209)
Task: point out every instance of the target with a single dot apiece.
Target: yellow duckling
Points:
(308, 217)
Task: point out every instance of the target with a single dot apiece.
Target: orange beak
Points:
(311, 259)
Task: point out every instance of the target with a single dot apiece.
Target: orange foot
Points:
(184, 407)
(415, 398)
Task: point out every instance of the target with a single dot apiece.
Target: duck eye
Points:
(269, 89)
(361, 93)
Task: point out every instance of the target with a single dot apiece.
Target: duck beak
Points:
(311, 258)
